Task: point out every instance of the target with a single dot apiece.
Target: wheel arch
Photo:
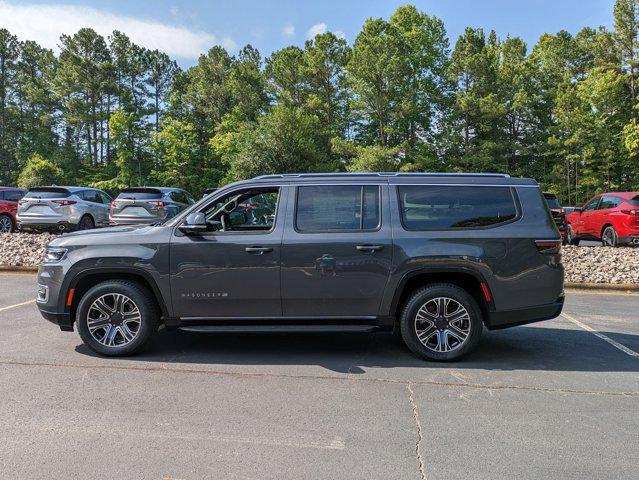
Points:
(86, 279)
(469, 280)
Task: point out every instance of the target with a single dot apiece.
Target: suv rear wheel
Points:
(441, 322)
(609, 237)
(117, 318)
(86, 223)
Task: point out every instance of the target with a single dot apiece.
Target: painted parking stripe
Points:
(16, 305)
(605, 338)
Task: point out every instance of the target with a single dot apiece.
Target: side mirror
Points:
(194, 223)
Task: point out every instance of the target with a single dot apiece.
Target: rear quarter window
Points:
(434, 207)
(634, 201)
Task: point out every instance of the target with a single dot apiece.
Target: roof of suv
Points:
(60, 187)
(398, 177)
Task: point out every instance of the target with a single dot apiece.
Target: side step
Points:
(279, 328)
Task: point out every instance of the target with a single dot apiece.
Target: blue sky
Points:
(186, 28)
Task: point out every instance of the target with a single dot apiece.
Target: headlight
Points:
(53, 255)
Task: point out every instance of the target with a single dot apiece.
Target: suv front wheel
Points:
(441, 322)
(117, 318)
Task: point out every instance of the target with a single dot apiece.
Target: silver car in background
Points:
(146, 205)
(63, 209)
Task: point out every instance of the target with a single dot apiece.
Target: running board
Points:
(279, 328)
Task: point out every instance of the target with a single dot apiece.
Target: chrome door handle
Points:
(258, 250)
(369, 248)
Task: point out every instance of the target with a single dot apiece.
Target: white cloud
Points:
(288, 30)
(44, 23)
(316, 29)
(339, 34)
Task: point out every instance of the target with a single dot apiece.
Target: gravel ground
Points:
(582, 264)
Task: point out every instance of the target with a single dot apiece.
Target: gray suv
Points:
(436, 256)
(63, 208)
(146, 205)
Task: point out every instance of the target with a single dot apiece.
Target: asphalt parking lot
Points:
(559, 399)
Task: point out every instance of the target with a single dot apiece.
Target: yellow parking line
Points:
(605, 338)
(16, 305)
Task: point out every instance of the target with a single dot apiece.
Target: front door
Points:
(233, 268)
(589, 217)
(337, 251)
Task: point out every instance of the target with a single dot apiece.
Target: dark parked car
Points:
(9, 198)
(437, 256)
(558, 213)
(146, 205)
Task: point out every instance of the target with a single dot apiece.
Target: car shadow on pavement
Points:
(521, 348)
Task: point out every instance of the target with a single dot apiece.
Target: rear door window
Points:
(434, 207)
(337, 208)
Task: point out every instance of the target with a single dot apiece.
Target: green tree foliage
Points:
(109, 113)
(40, 171)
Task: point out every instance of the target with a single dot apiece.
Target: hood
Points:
(104, 235)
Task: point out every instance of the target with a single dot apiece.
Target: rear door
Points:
(602, 215)
(337, 250)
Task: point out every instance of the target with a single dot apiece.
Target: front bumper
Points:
(521, 316)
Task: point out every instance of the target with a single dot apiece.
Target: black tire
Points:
(6, 224)
(609, 237)
(570, 237)
(142, 299)
(86, 223)
(421, 298)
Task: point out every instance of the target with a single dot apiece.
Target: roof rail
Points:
(381, 174)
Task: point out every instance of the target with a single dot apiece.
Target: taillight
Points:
(22, 202)
(114, 203)
(64, 203)
(548, 246)
(158, 204)
(630, 212)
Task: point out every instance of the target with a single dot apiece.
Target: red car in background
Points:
(9, 197)
(612, 218)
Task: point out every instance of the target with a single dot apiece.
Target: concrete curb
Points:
(618, 287)
(18, 268)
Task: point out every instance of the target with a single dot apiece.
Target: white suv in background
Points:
(63, 208)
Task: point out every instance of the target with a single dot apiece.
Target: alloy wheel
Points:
(442, 324)
(6, 225)
(609, 237)
(114, 320)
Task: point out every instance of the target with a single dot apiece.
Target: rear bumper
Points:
(522, 316)
(630, 239)
(63, 320)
